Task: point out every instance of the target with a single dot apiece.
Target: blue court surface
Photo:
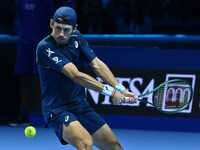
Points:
(13, 138)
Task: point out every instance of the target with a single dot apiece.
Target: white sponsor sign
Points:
(174, 90)
(132, 82)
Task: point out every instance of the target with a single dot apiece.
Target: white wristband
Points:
(119, 87)
(107, 90)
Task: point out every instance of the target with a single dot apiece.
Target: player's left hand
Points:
(131, 97)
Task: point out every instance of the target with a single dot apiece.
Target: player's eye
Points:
(59, 28)
(67, 30)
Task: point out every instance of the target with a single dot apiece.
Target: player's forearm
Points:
(106, 75)
(81, 78)
(88, 82)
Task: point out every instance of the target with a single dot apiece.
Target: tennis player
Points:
(60, 58)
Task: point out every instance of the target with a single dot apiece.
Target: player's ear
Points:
(75, 27)
(51, 23)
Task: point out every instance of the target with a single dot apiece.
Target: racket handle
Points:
(129, 97)
(125, 99)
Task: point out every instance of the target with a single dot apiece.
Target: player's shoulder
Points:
(46, 42)
(76, 34)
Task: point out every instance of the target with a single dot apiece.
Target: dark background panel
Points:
(148, 63)
(149, 58)
(146, 76)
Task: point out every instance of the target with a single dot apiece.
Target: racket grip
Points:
(125, 99)
(128, 97)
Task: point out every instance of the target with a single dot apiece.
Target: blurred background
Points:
(117, 16)
(155, 40)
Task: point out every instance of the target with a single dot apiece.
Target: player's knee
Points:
(85, 143)
(88, 144)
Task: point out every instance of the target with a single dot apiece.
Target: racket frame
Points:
(161, 85)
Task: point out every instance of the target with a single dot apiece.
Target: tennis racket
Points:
(171, 96)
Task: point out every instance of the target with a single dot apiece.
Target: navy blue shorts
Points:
(26, 59)
(88, 118)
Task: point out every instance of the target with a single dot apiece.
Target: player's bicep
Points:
(70, 70)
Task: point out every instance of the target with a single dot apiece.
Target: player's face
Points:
(61, 32)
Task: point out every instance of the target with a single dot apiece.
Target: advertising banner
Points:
(140, 82)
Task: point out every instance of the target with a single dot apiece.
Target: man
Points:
(60, 59)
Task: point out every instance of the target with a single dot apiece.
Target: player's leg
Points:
(105, 139)
(102, 135)
(76, 135)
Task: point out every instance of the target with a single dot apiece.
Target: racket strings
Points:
(172, 96)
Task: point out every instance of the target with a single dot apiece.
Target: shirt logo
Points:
(66, 118)
(76, 44)
(49, 52)
(56, 59)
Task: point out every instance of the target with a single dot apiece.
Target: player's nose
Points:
(61, 33)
